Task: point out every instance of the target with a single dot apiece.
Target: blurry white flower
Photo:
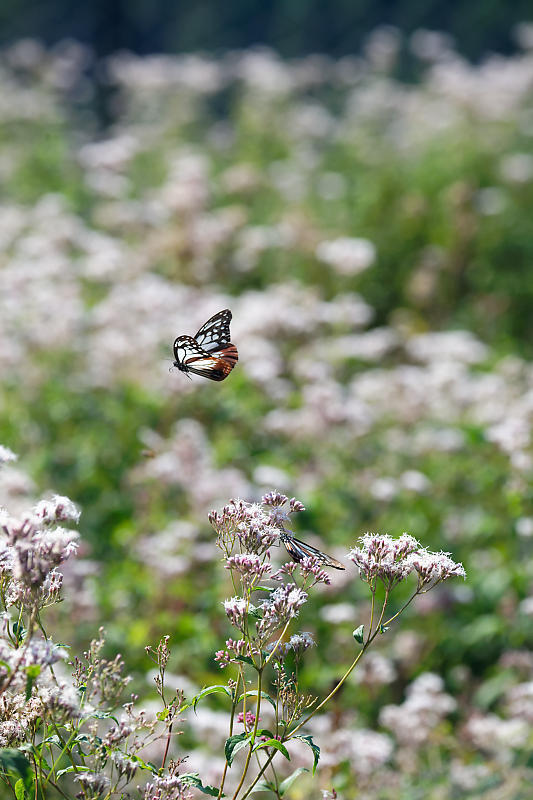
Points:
(268, 475)
(491, 201)
(384, 489)
(468, 777)
(423, 709)
(6, 455)
(526, 606)
(415, 481)
(517, 168)
(461, 346)
(524, 527)
(375, 669)
(335, 613)
(496, 735)
(349, 256)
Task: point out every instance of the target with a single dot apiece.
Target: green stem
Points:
(371, 637)
(254, 732)
(388, 622)
(259, 774)
(282, 634)
(65, 750)
(233, 709)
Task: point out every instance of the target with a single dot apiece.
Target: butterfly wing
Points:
(298, 550)
(216, 365)
(214, 334)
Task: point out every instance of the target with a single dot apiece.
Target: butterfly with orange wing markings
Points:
(299, 550)
(209, 352)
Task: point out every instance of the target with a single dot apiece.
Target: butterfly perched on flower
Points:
(209, 352)
(298, 550)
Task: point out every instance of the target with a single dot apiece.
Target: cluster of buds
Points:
(234, 650)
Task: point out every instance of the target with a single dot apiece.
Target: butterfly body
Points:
(299, 550)
(210, 352)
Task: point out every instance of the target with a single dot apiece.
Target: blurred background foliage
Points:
(291, 27)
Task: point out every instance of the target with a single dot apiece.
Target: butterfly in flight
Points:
(298, 550)
(209, 352)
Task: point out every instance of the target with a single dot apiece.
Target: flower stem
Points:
(254, 732)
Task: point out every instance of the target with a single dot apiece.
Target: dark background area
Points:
(292, 27)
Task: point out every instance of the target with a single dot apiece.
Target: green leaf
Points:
(54, 739)
(264, 732)
(358, 634)
(19, 630)
(218, 689)
(264, 786)
(245, 659)
(383, 628)
(162, 715)
(253, 693)
(192, 779)
(314, 747)
(20, 791)
(12, 760)
(32, 672)
(284, 785)
(274, 743)
(77, 768)
(233, 745)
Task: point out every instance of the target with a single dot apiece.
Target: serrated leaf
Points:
(358, 634)
(314, 747)
(218, 689)
(276, 744)
(233, 745)
(20, 791)
(253, 693)
(289, 780)
(192, 779)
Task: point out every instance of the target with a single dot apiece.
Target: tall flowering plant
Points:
(64, 727)
(264, 605)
